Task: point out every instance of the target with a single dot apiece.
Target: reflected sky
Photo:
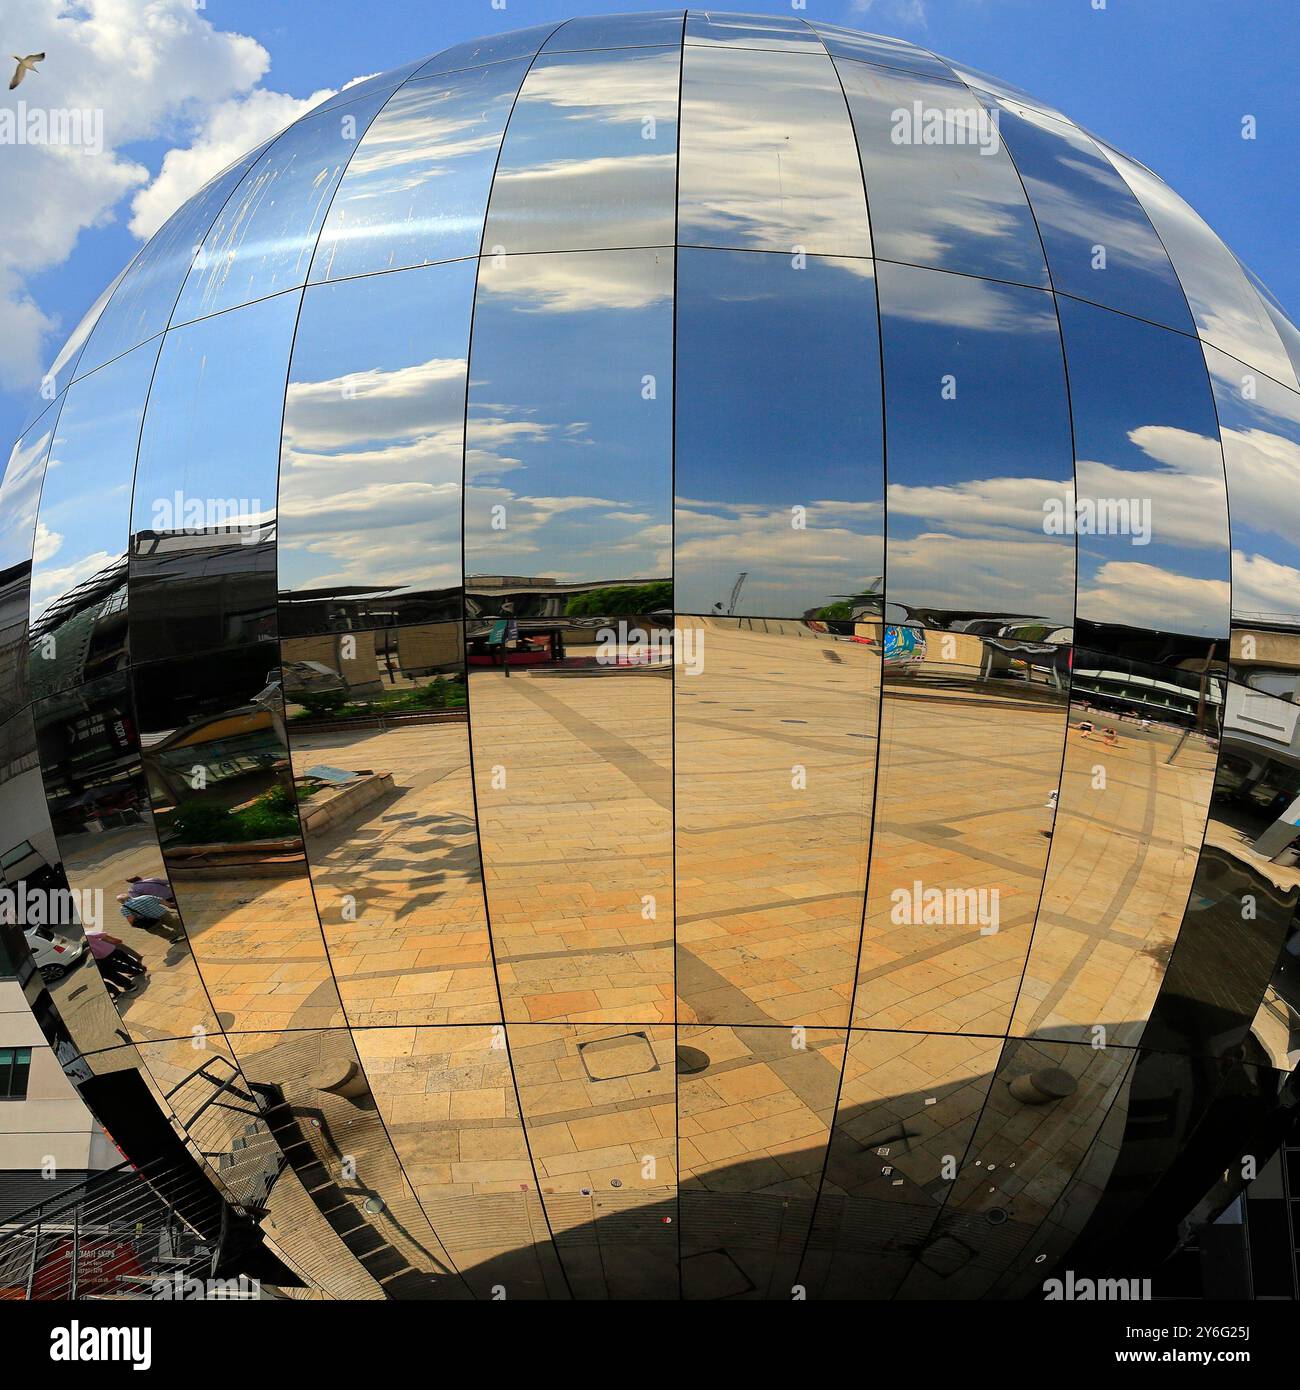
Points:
(69, 355)
(617, 31)
(773, 31)
(1261, 449)
(373, 430)
(85, 508)
(955, 205)
(972, 460)
(1081, 203)
(768, 160)
(1227, 310)
(380, 83)
(590, 156)
(560, 433)
(877, 48)
(1286, 328)
(21, 489)
(517, 43)
(1145, 430)
(262, 242)
(213, 424)
(143, 303)
(416, 190)
(996, 87)
(764, 427)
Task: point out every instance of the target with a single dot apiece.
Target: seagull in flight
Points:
(25, 65)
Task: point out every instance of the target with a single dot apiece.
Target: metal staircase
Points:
(147, 1231)
(119, 1234)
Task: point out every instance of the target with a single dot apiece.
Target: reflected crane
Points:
(735, 594)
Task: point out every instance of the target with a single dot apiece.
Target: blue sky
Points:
(1169, 81)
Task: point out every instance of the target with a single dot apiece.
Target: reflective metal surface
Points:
(600, 1118)
(79, 570)
(775, 755)
(20, 491)
(202, 566)
(755, 1108)
(1099, 242)
(372, 451)
(978, 430)
(1152, 510)
(376, 726)
(789, 491)
(590, 156)
(212, 730)
(617, 31)
(575, 826)
(417, 187)
(264, 236)
(568, 444)
(518, 43)
(768, 161)
(142, 304)
(942, 188)
(1238, 931)
(1228, 312)
(666, 645)
(970, 751)
(880, 48)
(100, 814)
(1134, 794)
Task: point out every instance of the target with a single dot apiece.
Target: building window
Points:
(15, 1064)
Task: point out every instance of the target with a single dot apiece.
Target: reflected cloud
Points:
(768, 159)
(954, 206)
(1228, 312)
(1130, 593)
(574, 284)
(790, 572)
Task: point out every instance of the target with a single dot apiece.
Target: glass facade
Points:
(669, 645)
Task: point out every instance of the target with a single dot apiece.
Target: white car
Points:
(54, 955)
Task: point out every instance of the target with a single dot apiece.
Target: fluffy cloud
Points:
(231, 129)
(146, 69)
(1142, 595)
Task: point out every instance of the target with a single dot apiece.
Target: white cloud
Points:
(1141, 595)
(899, 11)
(1262, 585)
(232, 129)
(151, 69)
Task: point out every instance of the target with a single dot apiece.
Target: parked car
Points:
(54, 955)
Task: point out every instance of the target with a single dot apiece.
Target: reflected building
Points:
(675, 653)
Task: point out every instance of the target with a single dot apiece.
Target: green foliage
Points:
(199, 822)
(436, 694)
(273, 816)
(321, 703)
(623, 601)
(839, 612)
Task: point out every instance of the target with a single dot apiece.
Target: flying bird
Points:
(25, 65)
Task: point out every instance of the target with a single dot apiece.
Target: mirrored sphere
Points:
(671, 644)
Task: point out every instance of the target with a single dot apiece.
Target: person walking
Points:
(148, 913)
